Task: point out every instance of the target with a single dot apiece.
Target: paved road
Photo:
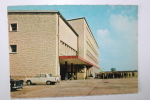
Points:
(79, 88)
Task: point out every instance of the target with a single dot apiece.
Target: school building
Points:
(45, 42)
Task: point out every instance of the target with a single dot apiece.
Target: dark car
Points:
(15, 84)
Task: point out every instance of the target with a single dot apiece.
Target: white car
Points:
(42, 79)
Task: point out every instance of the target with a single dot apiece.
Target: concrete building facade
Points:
(88, 47)
(45, 42)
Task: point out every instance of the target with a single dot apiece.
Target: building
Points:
(117, 74)
(45, 42)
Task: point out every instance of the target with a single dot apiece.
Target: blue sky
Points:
(115, 28)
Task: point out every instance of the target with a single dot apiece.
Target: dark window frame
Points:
(13, 48)
(13, 27)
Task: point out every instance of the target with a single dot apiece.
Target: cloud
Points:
(103, 33)
(107, 43)
(132, 11)
(123, 23)
(124, 27)
(118, 43)
(104, 38)
(122, 32)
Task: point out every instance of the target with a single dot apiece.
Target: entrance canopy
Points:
(75, 60)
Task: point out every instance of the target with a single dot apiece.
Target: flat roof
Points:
(48, 11)
(44, 11)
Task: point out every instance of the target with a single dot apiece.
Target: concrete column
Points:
(127, 74)
(113, 75)
(76, 71)
(122, 74)
(130, 74)
(72, 75)
(86, 72)
(66, 66)
(85, 69)
(81, 74)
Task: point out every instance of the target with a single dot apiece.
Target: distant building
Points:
(45, 42)
(117, 74)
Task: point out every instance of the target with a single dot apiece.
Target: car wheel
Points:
(48, 82)
(29, 83)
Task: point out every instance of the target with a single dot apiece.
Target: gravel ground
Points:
(79, 88)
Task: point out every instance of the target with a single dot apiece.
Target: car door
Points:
(43, 79)
(36, 79)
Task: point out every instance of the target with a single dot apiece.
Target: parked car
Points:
(42, 79)
(15, 84)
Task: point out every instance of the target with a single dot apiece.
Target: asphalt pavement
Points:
(79, 88)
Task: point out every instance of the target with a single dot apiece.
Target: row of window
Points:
(91, 56)
(66, 49)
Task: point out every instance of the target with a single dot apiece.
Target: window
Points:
(37, 76)
(13, 48)
(43, 75)
(13, 27)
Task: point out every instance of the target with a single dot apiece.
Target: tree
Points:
(113, 69)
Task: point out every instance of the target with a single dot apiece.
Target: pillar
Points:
(66, 67)
(85, 69)
(72, 75)
(81, 74)
(87, 73)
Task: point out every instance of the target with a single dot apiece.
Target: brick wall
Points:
(36, 41)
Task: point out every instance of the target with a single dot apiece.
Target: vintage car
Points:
(15, 84)
(42, 79)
